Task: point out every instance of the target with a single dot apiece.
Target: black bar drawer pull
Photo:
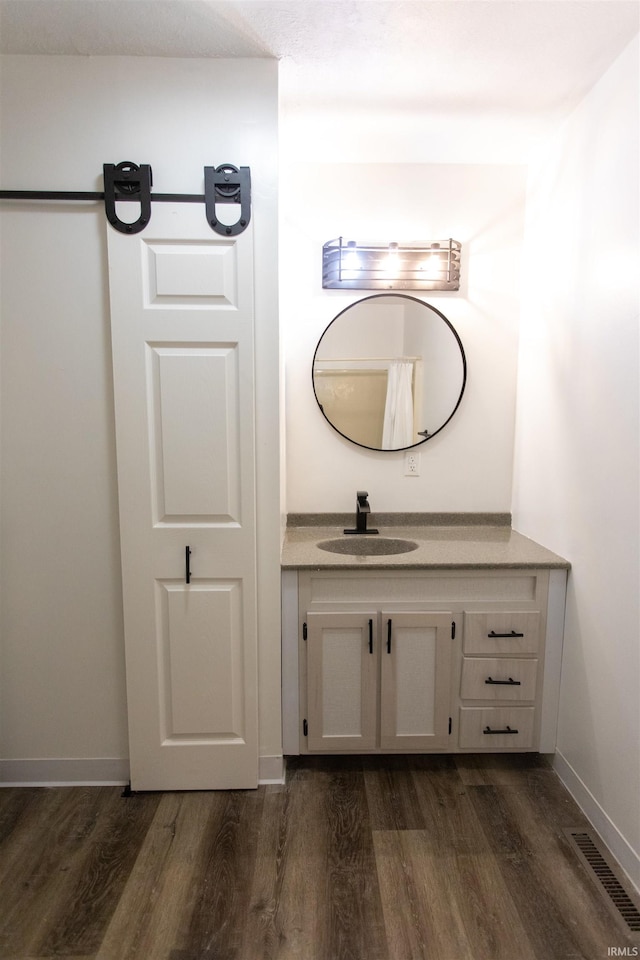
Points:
(508, 683)
(508, 730)
(187, 564)
(511, 635)
(388, 636)
(370, 636)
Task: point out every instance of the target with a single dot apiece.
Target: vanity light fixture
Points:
(361, 265)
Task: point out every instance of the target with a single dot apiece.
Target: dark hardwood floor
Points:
(355, 858)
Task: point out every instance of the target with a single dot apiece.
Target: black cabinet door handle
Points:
(187, 564)
(508, 730)
(388, 636)
(370, 636)
(510, 635)
(508, 683)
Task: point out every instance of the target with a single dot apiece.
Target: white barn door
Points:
(183, 365)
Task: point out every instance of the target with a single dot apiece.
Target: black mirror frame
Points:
(404, 296)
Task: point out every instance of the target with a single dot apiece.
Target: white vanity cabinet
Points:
(412, 660)
(376, 680)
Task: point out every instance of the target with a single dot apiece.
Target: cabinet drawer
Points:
(499, 679)
(496, 728)
(502, 631)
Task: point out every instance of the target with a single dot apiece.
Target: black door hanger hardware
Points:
(129, 181)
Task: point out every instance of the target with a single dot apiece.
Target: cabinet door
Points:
(415, 680)
(341, 681)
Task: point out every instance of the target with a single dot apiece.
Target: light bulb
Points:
(389, 265)
(350, 265)
(435, 264)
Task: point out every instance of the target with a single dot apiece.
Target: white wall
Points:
(468, 466)
(63, 693)
(577, 484)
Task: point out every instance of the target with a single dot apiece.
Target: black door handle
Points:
(388, 636)
(370, 636)
(508, 683)
(187, 565)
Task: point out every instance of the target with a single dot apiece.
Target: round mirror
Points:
(389, 372)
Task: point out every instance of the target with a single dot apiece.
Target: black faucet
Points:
(362, 509)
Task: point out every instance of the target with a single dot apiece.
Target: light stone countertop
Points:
(443, 541)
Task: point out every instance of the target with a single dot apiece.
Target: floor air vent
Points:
(598, 868)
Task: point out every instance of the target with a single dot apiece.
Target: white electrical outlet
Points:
(412, 465)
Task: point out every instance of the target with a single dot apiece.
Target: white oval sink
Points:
(368, 546)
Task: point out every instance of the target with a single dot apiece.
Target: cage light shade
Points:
(363, 265)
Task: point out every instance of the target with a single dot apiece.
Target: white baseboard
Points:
(627, 857)
(53, 772)
(59, 772)
(271, 769)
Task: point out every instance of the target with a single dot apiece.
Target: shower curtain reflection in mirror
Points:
(398, 428)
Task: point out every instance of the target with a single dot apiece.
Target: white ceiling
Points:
(436, 58)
